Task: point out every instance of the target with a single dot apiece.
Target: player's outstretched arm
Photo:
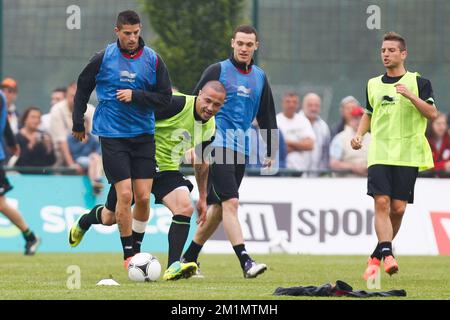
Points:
(201, 175)
(201, 168)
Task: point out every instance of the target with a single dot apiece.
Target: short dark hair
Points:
(60, 89)
(290, 94)
(26, 113)
(128, 17)
(245, 28)
(216, 86)
(394, 36)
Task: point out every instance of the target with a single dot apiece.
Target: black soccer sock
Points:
(93, 217)
(241, 254)
(127, 246)
(178, 233)
(137, 241)
(191, 254)
(377, 253)
(386, 249)
(28, 235)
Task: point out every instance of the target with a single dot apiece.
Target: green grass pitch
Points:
(45, 276)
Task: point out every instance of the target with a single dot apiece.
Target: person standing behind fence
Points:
(61, 126)
(399, 103)
(58, 95)
(346, 107)
(440, 145)
(318, 158)
(132, 80)
(298, 133)
(32, 242)
(342, 156)
(11, 90)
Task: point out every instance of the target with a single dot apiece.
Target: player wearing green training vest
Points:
(398, 106)
(175, 134)
(186, 124)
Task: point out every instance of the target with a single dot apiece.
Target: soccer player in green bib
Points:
(398, 106)
(187, 124)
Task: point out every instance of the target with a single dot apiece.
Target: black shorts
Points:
(396, 182)
(5, 186)
(167, 181)
(163, 183)
(125, 158)
(225, 176)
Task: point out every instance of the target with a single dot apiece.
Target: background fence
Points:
(320, 45)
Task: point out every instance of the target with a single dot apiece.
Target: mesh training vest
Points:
(175, 135)
(397, 127)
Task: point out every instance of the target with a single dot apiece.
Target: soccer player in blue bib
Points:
(131, 81)
(249, 96)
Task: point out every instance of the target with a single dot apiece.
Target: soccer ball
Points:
(144, 267)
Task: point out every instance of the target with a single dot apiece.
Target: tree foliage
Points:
(192, 34)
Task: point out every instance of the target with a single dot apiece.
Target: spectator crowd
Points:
(46, 140)
(306, 143)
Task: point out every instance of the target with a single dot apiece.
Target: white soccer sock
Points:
(139, 226)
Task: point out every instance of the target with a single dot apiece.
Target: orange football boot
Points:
(390, 265)
(373, 267)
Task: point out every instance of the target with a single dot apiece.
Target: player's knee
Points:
(398, 210)
(186, 210)
(125, 197)
(383, 203)
(108, 219)
(231, 204)
(142, 199)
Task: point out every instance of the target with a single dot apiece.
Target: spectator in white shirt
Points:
(319, 156)
(61, 126)
(59, 94)
(297, 131)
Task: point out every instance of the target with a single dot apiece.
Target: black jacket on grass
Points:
(341, 289)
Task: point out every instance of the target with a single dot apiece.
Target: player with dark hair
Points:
(186, 123)
(248, 96)
(132, 82)
(398, 106)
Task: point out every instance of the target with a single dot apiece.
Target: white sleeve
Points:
(336, 150)
(308, 131)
